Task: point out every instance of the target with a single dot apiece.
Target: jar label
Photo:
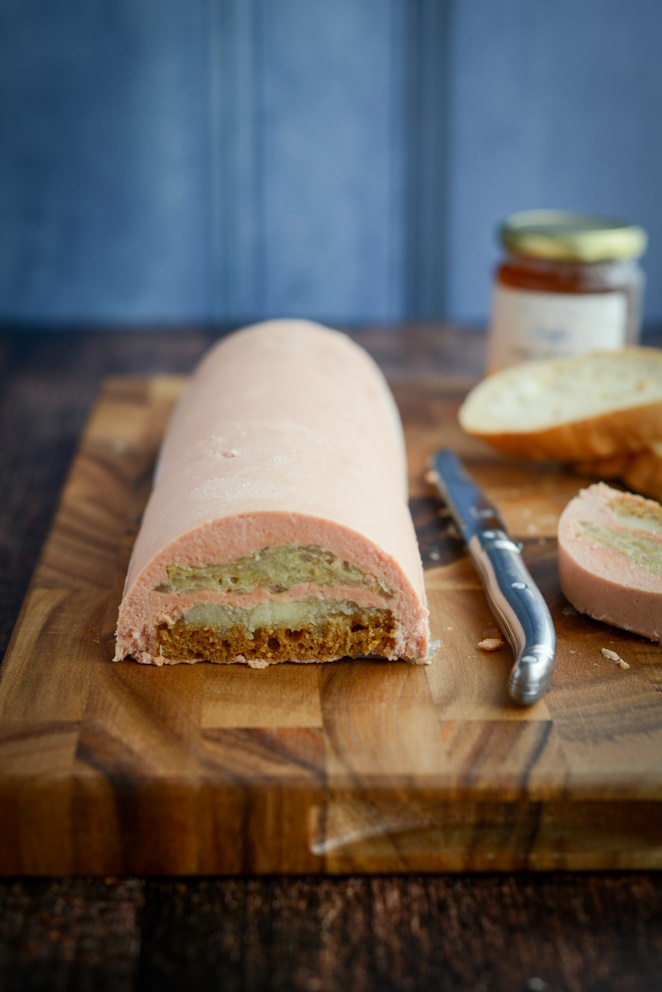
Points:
(527, 325)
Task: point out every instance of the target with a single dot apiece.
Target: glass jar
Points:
(568, 283)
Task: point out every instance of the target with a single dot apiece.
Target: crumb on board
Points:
(491, 644)
(611, 655)
(615, 657)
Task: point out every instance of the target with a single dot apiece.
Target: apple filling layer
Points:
(270, 632)
(641, 551)
(276, 569)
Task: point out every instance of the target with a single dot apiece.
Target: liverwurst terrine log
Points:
(278, 527)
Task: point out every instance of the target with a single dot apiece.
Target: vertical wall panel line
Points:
(237, 241)
(427, 40)
(398, 158)
(215, 247)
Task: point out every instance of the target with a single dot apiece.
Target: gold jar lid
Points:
(569, 237)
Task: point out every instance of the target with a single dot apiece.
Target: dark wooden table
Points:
(482, 933)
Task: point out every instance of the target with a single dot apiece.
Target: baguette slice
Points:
(643, 471)
(604, 468)
(594, 406)
(610, 558)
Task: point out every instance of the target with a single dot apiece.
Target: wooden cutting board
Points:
(348, 767)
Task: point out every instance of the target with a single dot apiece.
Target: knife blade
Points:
(513, 596)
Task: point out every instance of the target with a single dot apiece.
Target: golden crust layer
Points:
(641, 471)
(644, 472)
(601, 437)
(340, 636)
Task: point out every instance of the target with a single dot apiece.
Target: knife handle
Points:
(521, 611)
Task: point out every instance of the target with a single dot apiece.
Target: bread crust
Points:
(603, 468)
(606, 435)
(641, 471)
(644, 472)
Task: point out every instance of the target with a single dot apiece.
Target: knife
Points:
(512, 594)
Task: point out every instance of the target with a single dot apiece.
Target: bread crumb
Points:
(253, 662)
(491, 644)
(611, 655)
(571, 651)
(435, 555)
(616, 658)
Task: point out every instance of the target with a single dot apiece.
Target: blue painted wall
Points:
(163, 160)
(104, 160)
(311, 135)
(554, 104)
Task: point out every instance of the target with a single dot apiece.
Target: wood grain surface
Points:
(551, 931)
(348, 767)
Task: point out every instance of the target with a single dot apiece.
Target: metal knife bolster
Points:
(512, 594)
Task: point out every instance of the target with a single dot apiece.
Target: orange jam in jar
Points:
(568, 283)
